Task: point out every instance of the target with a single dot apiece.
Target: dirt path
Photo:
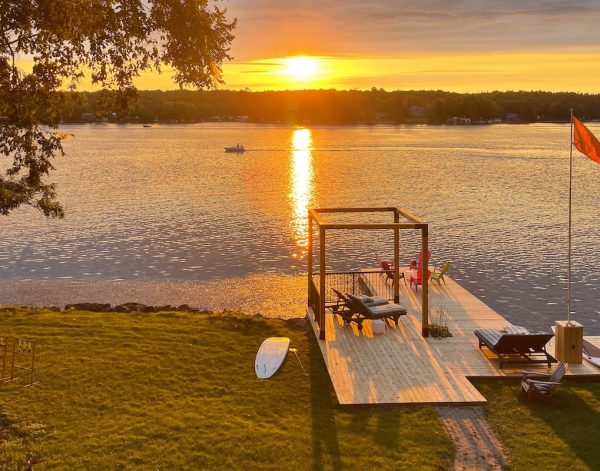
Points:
(477, 448)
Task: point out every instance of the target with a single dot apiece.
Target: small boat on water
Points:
(238, 149)
(147, 125)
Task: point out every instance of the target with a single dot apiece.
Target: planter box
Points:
(568, 346)
(378, 326)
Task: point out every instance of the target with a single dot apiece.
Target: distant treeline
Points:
(335, 107)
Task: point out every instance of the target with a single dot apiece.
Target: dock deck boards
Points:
(401, 366)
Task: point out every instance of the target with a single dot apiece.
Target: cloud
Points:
(275, 28)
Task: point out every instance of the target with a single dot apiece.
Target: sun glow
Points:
(300, 68)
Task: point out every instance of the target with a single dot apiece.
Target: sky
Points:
(461, 45)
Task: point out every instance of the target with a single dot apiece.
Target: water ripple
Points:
(168, 206)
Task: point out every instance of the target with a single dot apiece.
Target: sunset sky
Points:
(469, 45)
(464, 45)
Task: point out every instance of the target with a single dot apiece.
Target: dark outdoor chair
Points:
(370, 311)
(516, 348)
(347, 310)
(540, 385)
(387, 268)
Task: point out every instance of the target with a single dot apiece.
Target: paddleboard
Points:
(590, 349)
(270, 356)
(593, 360)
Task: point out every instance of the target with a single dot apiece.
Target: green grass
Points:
(178, 391)
(561, 433)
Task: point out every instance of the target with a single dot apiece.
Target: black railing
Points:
(369, 283)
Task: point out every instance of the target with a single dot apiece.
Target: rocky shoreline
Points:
(135, 307)
(271, 295)
(127, 307)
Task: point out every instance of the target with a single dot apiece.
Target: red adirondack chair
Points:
(418, 264)
(417, 279)
(387, 267)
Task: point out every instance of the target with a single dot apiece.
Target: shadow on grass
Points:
(557, 433)
(573, 419)
(324, 427)
(330, 421)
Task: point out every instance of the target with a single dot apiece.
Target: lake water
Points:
(166, 208)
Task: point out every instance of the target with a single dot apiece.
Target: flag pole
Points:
(569, 251)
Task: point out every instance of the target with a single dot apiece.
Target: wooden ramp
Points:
(400, 366)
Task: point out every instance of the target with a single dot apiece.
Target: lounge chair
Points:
(349, 312)
(369, 311)
(438, 273)
(540, 385)
(516, 348)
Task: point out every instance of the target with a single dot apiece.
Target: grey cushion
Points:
(388, 309)
(372, 300)
(515, 330)
(490, 336)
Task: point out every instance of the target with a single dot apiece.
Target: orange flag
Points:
(585, 141)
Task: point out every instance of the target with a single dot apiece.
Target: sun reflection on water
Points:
(301, 186)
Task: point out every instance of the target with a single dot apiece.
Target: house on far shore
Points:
(512, 117)
(88, 117)
(417, 111)
(460, 120)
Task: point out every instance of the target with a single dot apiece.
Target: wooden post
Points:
(12, 364)
(396, 259)
(425, 280)
(322, 282)
(309, 258)
(4, 345)
(32, 365)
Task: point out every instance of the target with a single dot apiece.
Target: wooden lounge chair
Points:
(369, 311)
(348, 311)
(516, 348)
(540, 385)
(438, 273)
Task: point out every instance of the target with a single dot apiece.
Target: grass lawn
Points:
(562, 433)
(177, 390)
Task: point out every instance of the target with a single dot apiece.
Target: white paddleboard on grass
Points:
(270, 356)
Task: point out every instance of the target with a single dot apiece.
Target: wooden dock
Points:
(400, 366)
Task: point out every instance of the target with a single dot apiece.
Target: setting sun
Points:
(300, 68)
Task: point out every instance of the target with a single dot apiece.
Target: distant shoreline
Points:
(383, 123)
(333, 107)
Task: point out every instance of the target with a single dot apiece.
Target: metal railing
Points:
(376, 282)
(369, 283)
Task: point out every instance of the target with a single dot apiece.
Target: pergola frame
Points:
(396, 226)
